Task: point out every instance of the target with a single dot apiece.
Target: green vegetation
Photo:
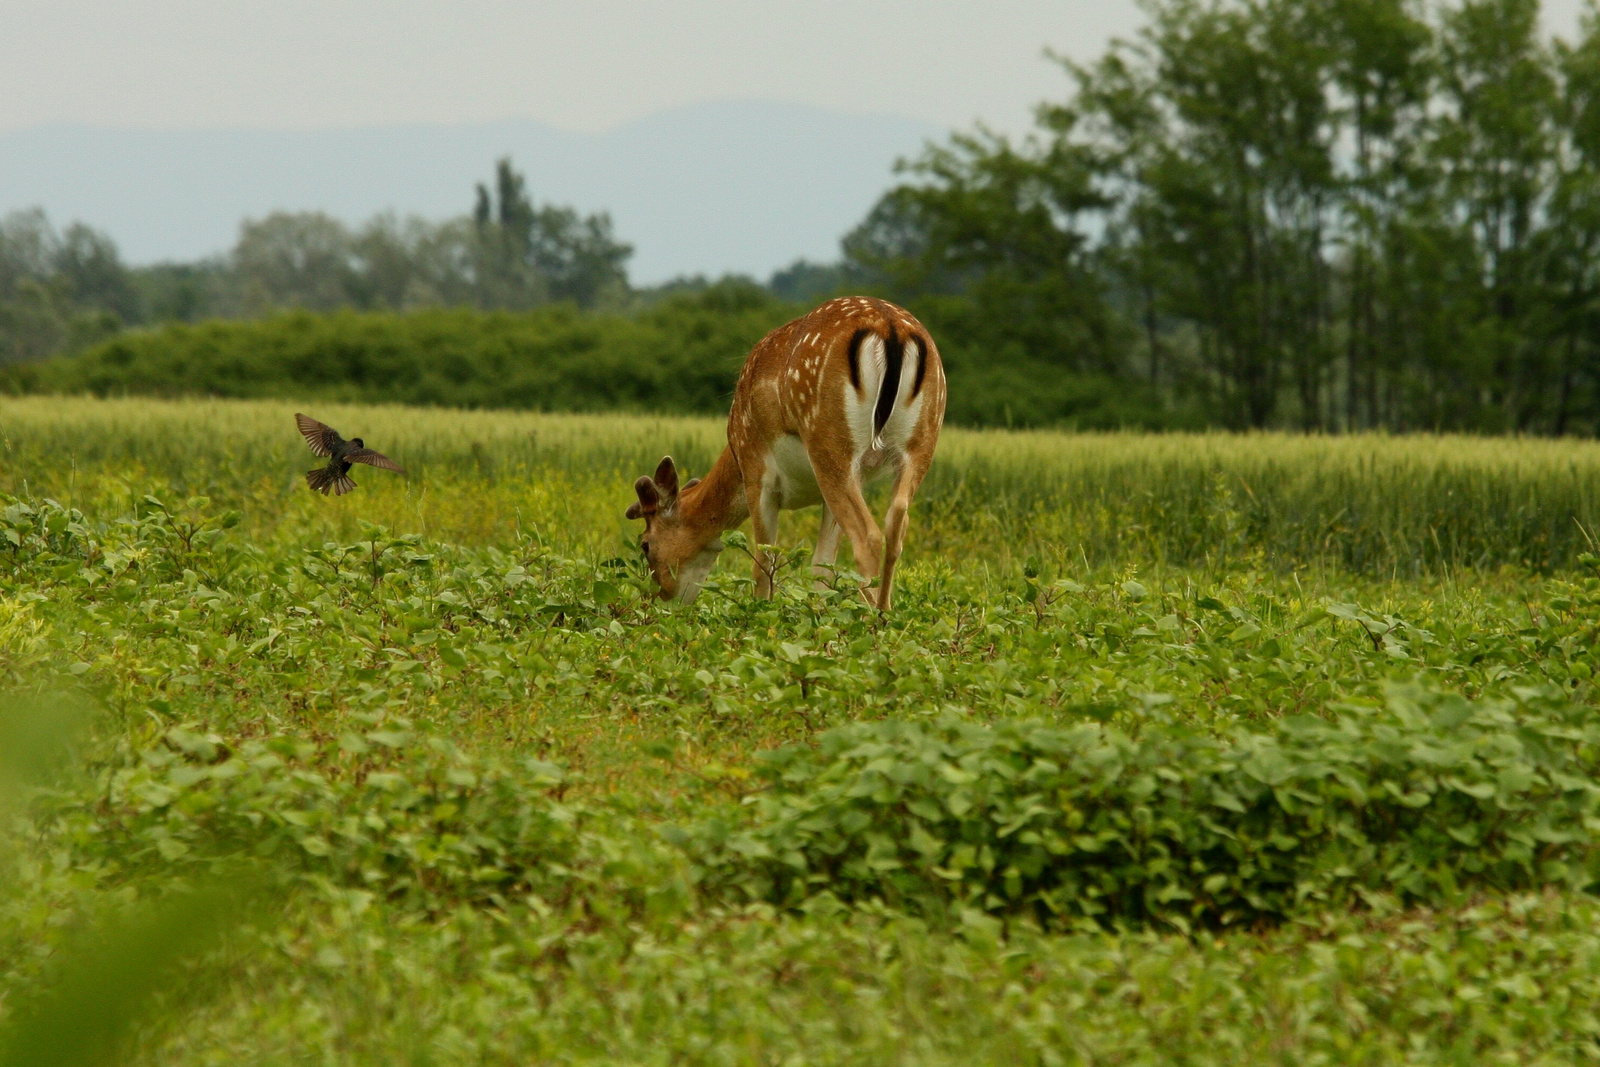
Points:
(1088, 826)
(1177, 748)
(680, 356)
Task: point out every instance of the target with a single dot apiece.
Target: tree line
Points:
(1325, 214)
(61, 291)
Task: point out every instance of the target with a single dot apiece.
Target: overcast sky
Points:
(318, 64)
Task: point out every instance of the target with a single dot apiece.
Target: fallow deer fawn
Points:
(836, 399)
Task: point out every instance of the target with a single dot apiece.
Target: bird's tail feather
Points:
(323, 479)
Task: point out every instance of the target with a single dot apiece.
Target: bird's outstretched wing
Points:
(320, 436)
(374, 459)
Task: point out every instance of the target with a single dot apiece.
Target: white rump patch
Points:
(902, 416)
(872, 363)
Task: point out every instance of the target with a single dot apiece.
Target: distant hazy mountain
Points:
(746, 186)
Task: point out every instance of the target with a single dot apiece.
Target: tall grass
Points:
(1367, 503)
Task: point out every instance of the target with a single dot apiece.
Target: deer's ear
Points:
(667, 477)
(691, 483)
(649, 499)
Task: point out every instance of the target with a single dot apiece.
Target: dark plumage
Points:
(325, 441)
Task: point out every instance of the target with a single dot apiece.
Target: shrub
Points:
(412, 820)
(682, 355)
(1423, 799)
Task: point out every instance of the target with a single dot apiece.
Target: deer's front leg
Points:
(763, 531)
(827, 548)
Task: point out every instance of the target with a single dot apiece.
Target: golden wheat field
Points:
(1369, 503)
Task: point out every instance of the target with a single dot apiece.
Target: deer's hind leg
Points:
(841, 491)
(895, 521)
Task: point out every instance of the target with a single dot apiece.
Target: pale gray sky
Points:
(591, 65)
(314, 64)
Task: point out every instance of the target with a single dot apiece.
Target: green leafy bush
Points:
(1421, 799)
(378, 810)
(681, 356)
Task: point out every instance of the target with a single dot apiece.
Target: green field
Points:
(1189, 749)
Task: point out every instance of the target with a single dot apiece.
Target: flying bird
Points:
(325, 441)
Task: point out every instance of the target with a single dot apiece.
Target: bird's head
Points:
(358, 442)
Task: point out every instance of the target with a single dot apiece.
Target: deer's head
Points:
(680, 552)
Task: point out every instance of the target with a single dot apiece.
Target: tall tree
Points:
(1004, 228)
(531, 254)
(293, 259)
(1494, 144)
(1379, 75)
(1568, 248)
(1319, 213)
(58, 292)
(1220, 127)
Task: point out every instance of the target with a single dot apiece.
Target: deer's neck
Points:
(718, 503)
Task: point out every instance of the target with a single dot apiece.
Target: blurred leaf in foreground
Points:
(107, 981)
(37, 734)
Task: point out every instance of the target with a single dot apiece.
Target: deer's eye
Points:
(644, 546)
